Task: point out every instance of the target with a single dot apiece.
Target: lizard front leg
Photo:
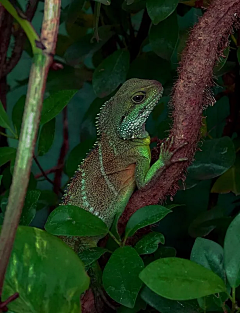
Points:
(145, 175)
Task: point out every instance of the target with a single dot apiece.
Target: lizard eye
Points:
(139, 97)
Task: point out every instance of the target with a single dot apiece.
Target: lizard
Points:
(120, 159)
(118, 163)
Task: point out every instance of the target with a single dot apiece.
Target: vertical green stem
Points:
(36, 89)
(233, 299)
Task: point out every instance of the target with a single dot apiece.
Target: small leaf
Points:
(232, 252)
(180, 279)
(230, 180)
(29, 208)
(111, 73)
(43, 267)
(164, 305)
(164, 36)
(216, 157)
(46, 137)
(7, 154)
(70, 220)
(88, 256)
(145, 216)
(55, 103)
(149, 243)
(160, 10)
(76, 156)
(4, 120)
(17, 113)
(120, 276)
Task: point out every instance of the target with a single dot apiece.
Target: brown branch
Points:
(206, 42)
(44, 174)
(3, 305)
(47, 172)
(20, 39)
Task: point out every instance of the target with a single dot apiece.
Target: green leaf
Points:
(206, 221)
(144, 66)
(232, 252)
(88, 256)
(1, 176)
(17, 113)
(164, 305)
(4, 120)
(160, 10)
(76, 156)
(221, 62)
(70, 220)
(111, 73)
(43, 267)
(55, 103)
(164, 36)
(230, 180)
(180, 279)
(84, 47)
(29, 208)
(149, 243)
(216, 157)
(46, 137)
(120, 276)
(145, 216)
(139, 306)
(210, 255)
(6, 154)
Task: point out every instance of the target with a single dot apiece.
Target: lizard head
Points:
(125, 114)
(139, 97)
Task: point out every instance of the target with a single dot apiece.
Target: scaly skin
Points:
(120, 159)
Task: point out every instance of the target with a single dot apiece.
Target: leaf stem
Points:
(115, 239)
(233, 299)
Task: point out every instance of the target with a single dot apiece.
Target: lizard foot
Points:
(165, 153)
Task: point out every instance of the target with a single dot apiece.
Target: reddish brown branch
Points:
(3, 305)
(206, 42)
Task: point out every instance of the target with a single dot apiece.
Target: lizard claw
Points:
(165, 153)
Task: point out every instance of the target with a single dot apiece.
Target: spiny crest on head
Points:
(100, 118)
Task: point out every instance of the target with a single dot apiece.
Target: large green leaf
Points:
(70, 220)
(120, 276)
(46, 273)
(159, 10)
(145, 216)
(214, 159)
(149, 243)
(164, 305)
(7, 154)
(55, 103)
(163, 37)
(78, 51)
(232, 252)
(111, 73)
(180, 279)
(46, 137)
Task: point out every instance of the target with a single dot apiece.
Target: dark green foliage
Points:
(169, 268)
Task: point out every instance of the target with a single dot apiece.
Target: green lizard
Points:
(120, 159)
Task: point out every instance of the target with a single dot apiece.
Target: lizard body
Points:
(120, 159)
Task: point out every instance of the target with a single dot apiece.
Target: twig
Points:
(50, 171)
(44, 174)
(4, 304)
(22, 168)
